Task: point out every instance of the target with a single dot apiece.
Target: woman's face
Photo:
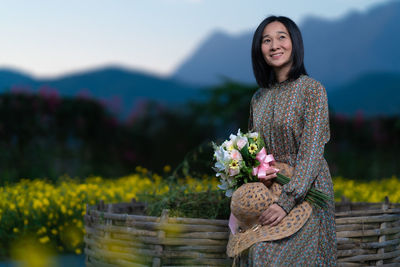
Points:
(277, 46)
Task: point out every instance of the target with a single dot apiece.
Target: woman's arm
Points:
(250, 122)
(314, 137)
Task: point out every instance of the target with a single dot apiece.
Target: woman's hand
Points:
(272, 216)
(270, 174)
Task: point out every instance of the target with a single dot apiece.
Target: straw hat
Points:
(247, 204)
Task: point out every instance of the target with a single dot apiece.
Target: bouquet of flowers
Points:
(243, 159)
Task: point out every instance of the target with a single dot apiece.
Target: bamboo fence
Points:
(368, 234)
(120, 234)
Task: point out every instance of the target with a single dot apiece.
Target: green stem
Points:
(314, 196)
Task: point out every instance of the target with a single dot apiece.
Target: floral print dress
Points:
(292, 117)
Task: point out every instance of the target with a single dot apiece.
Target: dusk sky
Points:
(47, 38)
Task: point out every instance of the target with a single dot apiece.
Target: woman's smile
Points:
(276, 55)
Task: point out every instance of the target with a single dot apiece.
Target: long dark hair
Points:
(264, 74)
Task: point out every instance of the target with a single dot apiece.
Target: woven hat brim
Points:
(289, 225)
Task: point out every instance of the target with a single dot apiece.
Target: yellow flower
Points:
(79, 224)
(167, 168)
(253, 148)
(42, 230)
(63, 209)
(234, 164)
(78, 251)
(44, 239)
(12, 206)
(37, 204)
(15, 230)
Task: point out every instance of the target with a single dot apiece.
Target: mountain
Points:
(219, 57)
(12, 78)
(117, 86)
(336, 51)
(371, 94)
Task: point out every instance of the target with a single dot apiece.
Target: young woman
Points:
(290, 111)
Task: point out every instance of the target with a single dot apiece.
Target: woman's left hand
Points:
(272, 216)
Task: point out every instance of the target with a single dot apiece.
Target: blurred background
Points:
(109, 88)
(100, 87)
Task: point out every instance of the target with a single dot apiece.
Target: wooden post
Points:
(107, 234)
(101, 206)
(160, 236)
(382, 238)
(345, 205)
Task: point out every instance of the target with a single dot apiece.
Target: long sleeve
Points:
(250, 122)
(310, 154)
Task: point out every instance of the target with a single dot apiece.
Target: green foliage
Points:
(362, 147)
(182, 202)
(168, 136)
(226, 109)
(49, 136)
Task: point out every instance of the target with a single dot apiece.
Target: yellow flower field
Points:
(52, 214)
(373, 191)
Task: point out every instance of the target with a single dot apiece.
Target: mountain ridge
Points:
(109, 82)
(335, 50)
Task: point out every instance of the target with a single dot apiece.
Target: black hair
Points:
(264, 74)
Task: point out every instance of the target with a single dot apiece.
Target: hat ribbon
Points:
(265, 160)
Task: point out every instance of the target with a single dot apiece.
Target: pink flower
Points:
(241, 142)
(233, 171)
(235, 155)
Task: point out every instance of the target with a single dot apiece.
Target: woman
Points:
(290, 111)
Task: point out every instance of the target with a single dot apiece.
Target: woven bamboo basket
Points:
(120, 234)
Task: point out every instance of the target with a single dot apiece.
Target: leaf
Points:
(245, 153)
(260, 142)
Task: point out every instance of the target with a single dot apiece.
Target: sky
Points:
(50, 38)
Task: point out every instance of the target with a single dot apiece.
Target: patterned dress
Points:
(292, 116)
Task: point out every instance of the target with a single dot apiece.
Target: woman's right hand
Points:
(270, 174)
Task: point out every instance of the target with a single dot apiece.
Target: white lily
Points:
(221, 154)
(253, 135)
(219, 167)
(228, 145)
